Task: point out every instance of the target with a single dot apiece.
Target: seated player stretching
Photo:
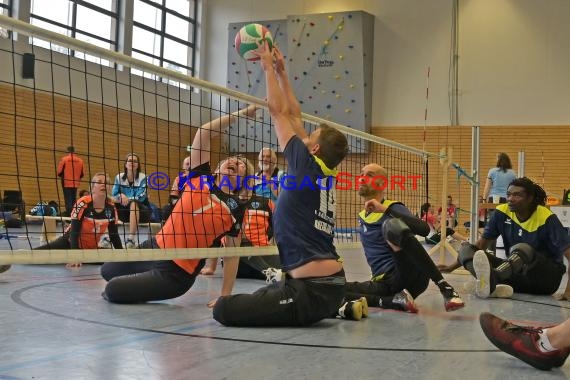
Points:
(401, 267)
(206, 212)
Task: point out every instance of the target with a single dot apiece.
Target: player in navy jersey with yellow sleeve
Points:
(304, 219)
(401, 267)
(535, 244)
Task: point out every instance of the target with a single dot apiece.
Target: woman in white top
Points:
(130, 196)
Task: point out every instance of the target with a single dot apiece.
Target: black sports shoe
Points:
(521, 342)
(352, 310)
(451, 299)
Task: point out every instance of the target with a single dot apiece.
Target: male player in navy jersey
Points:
(535, 242)
(401, 267)
(304, 219)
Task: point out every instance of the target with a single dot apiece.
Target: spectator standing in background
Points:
(70, 169)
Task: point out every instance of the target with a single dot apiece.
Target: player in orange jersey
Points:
(208, 210)
(91, 217)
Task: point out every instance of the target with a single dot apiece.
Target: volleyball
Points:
(248, 37)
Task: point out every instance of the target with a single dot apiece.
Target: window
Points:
(5, 10)
(92, 21)
(164, 33)
(6, 7)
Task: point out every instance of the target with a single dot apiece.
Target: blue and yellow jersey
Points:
(306, 211)
(378, 253)
(542, 231)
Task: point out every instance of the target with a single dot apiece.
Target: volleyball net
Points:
(107, 105)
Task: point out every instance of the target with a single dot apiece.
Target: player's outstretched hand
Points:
(248, 111)
(265, 55)
(444, 268)
(212, 303)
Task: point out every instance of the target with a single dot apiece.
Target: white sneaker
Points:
(272, 275)
(129, 244)
(482, 269)
(105, 242)
(501, 290)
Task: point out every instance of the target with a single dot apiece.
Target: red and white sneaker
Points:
(451, 299)
(404, 301)
(521, 342)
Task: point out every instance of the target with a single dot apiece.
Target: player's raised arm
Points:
(276, 98)
(201, 145)
(293, 106)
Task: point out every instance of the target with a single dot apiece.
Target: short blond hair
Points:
(99, 174)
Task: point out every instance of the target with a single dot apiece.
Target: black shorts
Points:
(124, 212)
(291, 302)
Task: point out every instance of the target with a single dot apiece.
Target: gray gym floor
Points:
(54, 325)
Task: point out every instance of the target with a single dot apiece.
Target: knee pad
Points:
(524, 251)
(520, 256)
(466, 252)
(395, 231)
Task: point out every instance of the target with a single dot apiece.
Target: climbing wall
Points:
(329, 58)
(248, 77)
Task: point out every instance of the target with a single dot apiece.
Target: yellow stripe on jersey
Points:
(326, 170)
(532, 224)
(373, 217)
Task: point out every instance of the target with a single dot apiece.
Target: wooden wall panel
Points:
(36, 133)
(545, 150)
(44, 125)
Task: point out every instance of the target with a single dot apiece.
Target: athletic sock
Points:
(544, 344)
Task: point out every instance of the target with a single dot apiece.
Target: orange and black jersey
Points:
(88, 224)
(258, 221)
(202, 216)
